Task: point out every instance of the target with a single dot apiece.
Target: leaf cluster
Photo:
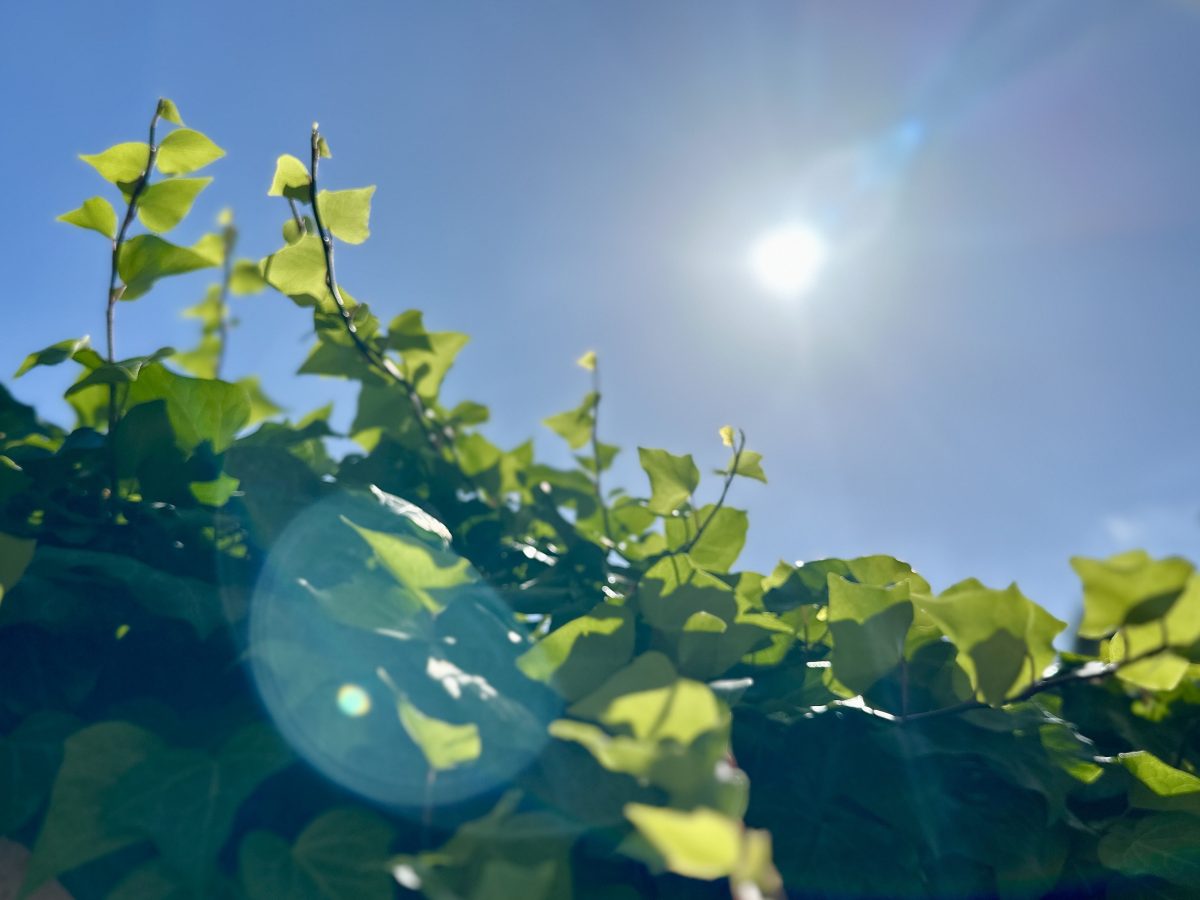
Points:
(238, 665)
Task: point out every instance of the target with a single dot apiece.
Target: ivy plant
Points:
(238, 663)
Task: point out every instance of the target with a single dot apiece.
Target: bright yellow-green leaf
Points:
(672, 479)
(443, 744)
(869, 625)
(52, 355)
(427, 355)
(587, 361)
(163, 205)
(290, 179)
(120, 163)
(1160, 786)
(698, 843)
(298, 270)
(594, 645)
(184, 150)
(575, 425)
(216, 492)
(726, 433)
(748, 464)
(96, 214)
(1130, 588)
(347, 213)
(169, 111)
(1005, 641)
(427, 573)
(246, 278)
(146, 258)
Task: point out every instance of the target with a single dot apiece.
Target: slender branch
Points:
(301, 225)
(230, 236)
(596, 453)
(374, 358)
(729, 476)
(1083, 673)
(115, 289)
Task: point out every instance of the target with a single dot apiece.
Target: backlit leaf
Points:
(163, 205)
(184, 151)
(290, 179)
(347, 213)
(445, 745)
(672, 479)
(96, 214)
(120, 163)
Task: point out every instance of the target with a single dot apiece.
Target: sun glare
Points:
(787, 261)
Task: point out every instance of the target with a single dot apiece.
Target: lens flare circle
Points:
(339, 645)
(787, 261)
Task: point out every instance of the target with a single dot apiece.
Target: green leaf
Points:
(698, 843)
(290, 179)
(52, 355)
(342, 855)
(261, 406)
(29, 759)
(427, 355)
(652, 703)
(749, 465)
(184, 151)
(146, 258)
(722, 540)
(1005, 641)
(216, 492)
(672, 479)
(347, 213)
(120, 163)
(869, 625)
(1130, 588)
(125, 371)
(575, 425)
(76, 829)
(1173, 633)
(579, 655)
(169, 112)
(96, 214)
(185, 801)
(430, 575)
(298, 270)
(199, 409)
(162, 206)
(246, 278)
(15, 555)
(1160, 786)
(443, 744)
(1165, 846)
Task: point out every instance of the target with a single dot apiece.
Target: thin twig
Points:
(301, 225)
(114, 289)
(596, 453)
(1083, 673)
(375, 359)
(729, 476)
(230, 236)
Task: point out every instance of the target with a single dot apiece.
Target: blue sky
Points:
(997, 369)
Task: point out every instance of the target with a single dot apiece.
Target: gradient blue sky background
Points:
(998, 369)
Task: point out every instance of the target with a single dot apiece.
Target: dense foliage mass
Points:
(233, 665)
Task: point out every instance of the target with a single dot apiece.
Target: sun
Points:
(787, 261)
